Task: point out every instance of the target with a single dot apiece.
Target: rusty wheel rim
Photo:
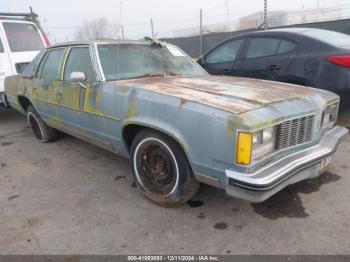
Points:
(156, 167)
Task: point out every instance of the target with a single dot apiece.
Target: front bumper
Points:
(301, 165)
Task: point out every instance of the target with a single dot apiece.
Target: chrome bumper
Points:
(258, 186)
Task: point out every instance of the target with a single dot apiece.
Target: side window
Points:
(79, 61)
(260, 47)
(49, 68)
(1, 47)
(285, 46)
(224, 53)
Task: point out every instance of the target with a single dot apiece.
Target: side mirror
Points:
(77, 77)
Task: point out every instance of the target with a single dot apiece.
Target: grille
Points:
(294, 132)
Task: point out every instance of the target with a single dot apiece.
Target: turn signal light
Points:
(244, 148)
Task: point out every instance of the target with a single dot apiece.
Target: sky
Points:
(61, 19)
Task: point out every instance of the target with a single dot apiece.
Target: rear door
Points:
(223, 59)
(5, 65)
(24, 41)
(265, 57)
(44, 85)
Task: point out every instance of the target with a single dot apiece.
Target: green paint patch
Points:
(131, 108)
(123, 89)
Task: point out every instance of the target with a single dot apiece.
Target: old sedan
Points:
(149, 101)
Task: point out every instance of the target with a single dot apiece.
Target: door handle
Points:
(273, 67)
(226, 71)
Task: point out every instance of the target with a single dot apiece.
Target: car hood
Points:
(232, 94)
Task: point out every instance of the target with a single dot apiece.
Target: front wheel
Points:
(161, 169)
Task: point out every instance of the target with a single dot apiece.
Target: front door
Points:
(223, 59)
(80, 103)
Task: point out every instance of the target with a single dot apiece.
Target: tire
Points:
(4, 101)
(161, 169)
(41, 131)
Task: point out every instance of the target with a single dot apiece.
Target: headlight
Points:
(251, 146)
(329, 115)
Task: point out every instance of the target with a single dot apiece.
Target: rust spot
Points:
(231, 94)
(183, 101)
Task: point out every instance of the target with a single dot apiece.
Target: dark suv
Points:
(303, 56)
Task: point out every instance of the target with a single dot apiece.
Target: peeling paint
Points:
(131, 111)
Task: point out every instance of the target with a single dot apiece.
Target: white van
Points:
(20, 42)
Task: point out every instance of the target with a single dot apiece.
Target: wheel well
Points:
(130, 131)
(24, 102)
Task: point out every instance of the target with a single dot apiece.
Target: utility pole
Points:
(318, 4)
(122, 27)
(265, 14)
(201, 32)
(152, 29)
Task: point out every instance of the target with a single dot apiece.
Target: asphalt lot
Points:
(70, 197)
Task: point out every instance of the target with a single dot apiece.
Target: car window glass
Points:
(23, 37)
(1, 47)
(122, 61)
(224, 53)
(79, 61)
(51, 65)
(41, 64)
(285, 46)
(260, 47)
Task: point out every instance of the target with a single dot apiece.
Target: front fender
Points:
(162, 127)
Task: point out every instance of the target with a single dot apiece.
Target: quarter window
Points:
(285, 46)
(50, 68)
(224, 53)
(79, 61)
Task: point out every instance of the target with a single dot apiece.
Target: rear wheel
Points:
(161, 169)
(41, 131)
(4, 100)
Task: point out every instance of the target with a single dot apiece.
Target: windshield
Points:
(23, 37)
(138, 60)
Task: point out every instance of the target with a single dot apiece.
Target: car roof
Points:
(111, 41)
(290, 30)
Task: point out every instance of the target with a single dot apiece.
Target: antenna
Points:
(228, 15)
(120, 19)
(118, 44)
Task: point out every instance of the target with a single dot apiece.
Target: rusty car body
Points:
(248, 137)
